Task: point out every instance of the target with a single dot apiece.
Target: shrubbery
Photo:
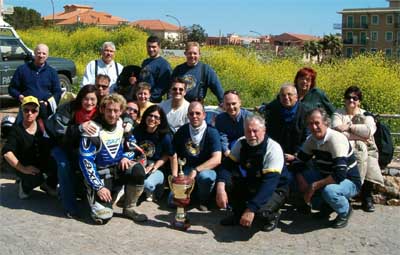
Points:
(238, 68)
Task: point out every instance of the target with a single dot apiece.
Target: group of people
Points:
(118, 134)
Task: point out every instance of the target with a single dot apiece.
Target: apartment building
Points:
(372, 30)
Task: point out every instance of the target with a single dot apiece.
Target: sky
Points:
(221, 17)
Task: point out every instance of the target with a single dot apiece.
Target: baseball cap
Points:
(30, 100)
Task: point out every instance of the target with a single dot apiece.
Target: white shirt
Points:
(102, 68)
(176, 117)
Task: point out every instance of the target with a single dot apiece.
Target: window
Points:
(374, 36)
(363, 50)
(389, 36)
(373, 50)
(389, 19)
(349, 37)
(349, 52)
(363, 38)
(350, 21)
(388, 52)
(364, 21)
(398, 53)
(398, 38)
(375, 20)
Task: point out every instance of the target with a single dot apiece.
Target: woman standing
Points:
(154, 137)
(360, 129)
(308, 94)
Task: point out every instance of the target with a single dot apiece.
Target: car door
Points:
(13, 54)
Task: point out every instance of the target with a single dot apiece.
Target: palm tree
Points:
(332, 44)
(313, 48)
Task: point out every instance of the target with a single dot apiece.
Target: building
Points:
(159, 28)
(372, 30)
(83, 14)
(234, 39)
(293, 40)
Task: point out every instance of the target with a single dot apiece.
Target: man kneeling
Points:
(255, 174)
(107, 165)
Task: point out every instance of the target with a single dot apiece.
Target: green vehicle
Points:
(13, 53)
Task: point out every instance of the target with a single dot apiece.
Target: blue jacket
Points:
(157, 72)
(29, 80)
(193, 75)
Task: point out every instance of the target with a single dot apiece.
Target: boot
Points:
(132, 194)
(366, 196)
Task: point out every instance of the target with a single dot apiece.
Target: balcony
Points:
(354, 26)
(355, 42)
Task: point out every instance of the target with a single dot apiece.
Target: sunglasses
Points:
(130, 109)
(178, 89)
(101, 86)
(194, 113)
(156, 117)
(26, 110)
(355, 98)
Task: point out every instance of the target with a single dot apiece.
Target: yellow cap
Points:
(30, 100)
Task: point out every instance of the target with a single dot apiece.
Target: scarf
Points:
(196, 134)
(289, 114)
(83, 115)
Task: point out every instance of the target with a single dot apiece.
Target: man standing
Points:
(105, 65)
(176, 108)
(156, 70)
(199, 76)
(200, 145)
(260, 187)
(230, 123)
(335, 178)
(38, 79)
(285, 121)
(106, 164)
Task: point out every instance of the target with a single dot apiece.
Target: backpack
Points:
(384, 141)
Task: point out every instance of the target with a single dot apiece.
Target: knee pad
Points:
(136, 174)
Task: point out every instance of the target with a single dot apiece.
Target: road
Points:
(37, 226)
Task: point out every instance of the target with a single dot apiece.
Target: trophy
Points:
(181, 187)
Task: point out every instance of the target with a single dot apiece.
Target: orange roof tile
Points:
(294, 37)
(157, 25)
(86, 15)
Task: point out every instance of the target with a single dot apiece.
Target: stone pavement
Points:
(37, 226)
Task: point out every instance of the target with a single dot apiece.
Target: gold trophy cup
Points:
(181, 186)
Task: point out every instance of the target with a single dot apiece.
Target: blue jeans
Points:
(205, 181)
(154, 181)
(335, 195)
(66, 180)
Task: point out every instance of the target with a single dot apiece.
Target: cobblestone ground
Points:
(37, 226)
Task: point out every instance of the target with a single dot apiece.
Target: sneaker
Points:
(231, 220)
(272, 223)
(21, 193)
(149, 198)
(49, 190)
(341, 221)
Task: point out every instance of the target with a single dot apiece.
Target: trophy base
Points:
(180, 225)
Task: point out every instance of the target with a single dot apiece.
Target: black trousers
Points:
(242, 191)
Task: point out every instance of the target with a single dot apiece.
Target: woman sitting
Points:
(359, 129)
(154, 137)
